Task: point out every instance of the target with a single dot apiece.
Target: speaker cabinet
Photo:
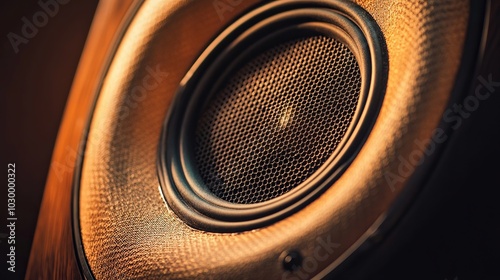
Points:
(283, 139)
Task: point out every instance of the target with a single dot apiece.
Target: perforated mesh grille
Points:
(277, 120)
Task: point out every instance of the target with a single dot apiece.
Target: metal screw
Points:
(292, 260)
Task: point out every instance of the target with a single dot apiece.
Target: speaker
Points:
(271, 113)
(285, 139)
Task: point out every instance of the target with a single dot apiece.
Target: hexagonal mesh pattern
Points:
(277, 119)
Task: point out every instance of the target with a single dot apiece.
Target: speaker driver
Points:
(271, 114)
(162, 189)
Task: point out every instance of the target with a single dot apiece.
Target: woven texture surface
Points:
(128, 230)
(277, 119)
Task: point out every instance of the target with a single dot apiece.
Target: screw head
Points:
(291, 260)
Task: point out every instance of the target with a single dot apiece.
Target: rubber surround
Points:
(183, 188)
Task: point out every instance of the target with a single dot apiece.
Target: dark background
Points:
(456, 239)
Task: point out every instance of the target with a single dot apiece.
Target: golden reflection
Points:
(286, 117)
